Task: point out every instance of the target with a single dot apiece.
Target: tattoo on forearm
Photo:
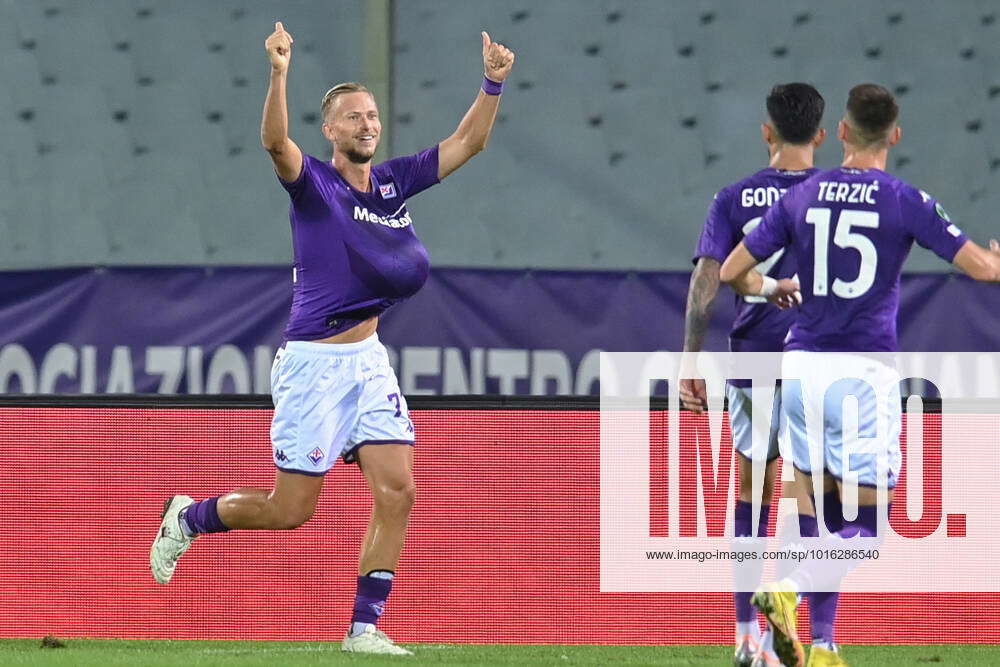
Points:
(701, 297)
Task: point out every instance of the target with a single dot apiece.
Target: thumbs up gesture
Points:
(279, 47)
(497, 59)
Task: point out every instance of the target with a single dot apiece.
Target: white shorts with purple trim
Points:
(329, 400)
(740, 424)
(844, 415)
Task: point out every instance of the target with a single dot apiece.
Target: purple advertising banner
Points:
(469, 331)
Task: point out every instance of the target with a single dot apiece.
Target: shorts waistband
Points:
(887, 359)
(332, 349)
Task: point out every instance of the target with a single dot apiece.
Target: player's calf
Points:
(289, 505)
(746, 614)
(255, 509)
(744, 529)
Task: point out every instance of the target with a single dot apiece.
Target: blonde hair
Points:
(338, 90)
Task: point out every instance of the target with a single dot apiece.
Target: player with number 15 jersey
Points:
(852, 230)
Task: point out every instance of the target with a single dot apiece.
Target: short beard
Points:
(358, 158)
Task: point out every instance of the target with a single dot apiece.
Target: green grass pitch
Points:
(107, 652)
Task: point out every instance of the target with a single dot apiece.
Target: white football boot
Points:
(171, 542)
(372, 640)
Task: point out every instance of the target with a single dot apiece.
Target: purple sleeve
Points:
(772, 234)
(295, 188)
(415, 173)
(718, 236)
(929, 224)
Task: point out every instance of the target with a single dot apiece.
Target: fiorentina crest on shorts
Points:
(316, 455)
(388, 191)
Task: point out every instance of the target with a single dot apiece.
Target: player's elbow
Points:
(474, 146)
(272, 145)
(472, 143)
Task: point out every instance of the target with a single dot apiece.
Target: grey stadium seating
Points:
(130, 131)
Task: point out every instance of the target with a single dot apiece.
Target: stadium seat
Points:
(149, 222)
(83, 236)
(636, 111)
(20, 151)
(243, 213)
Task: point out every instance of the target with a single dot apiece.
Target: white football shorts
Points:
(740, 424)
(844, 415)
(329, 400)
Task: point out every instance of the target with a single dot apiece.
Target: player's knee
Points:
(398, 496)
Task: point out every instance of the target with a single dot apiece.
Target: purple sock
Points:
(822, 614)
(823, 605)
(833, 511)
(203, 517)
(865, 525)
(808, 526)
(743, 519)
(369, 602)
(765, 515)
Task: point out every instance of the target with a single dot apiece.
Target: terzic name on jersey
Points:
(850, 193)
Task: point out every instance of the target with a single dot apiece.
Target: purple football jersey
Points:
(356, 253)
(850, 231)
(735, 211)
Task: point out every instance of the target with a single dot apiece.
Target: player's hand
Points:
(787, 295)
(497, 59)
(694, 396)
(279, 48)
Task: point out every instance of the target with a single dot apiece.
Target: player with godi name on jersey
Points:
(791, 132)
(334, 393)
(850, 230)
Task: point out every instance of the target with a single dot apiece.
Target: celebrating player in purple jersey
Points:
(334, 393)
(792, 132)
(850, 230)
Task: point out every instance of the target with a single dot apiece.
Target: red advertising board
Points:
(503, 544)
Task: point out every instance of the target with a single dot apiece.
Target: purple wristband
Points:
(491, 87)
